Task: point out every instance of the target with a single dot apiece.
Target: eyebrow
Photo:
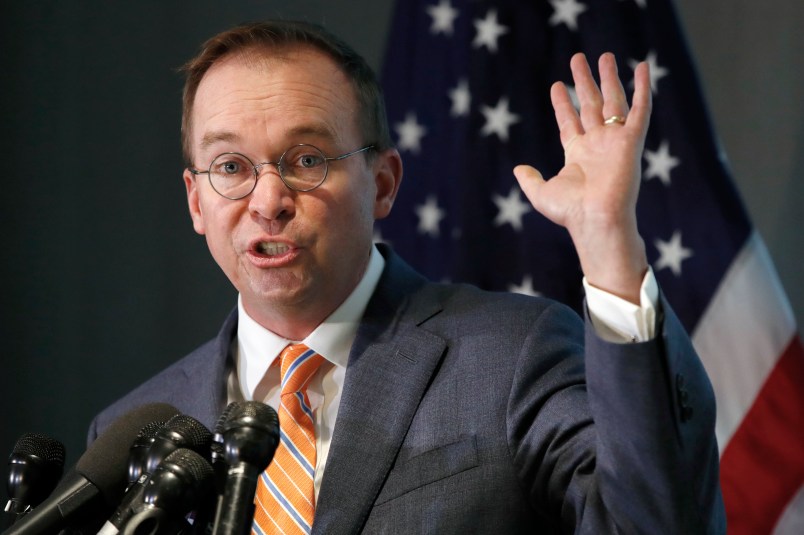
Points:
(210, 138)
(318, 130)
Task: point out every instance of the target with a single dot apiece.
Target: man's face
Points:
(319, 241)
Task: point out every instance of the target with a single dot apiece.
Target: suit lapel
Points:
(207, 372)
(391, 364)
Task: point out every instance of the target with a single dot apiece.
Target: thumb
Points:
(530, 180)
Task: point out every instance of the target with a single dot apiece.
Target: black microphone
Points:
(250, 438)
(97, 481)
(179, 483)
(217, 450)
(34, 469)
(205, 514)
(138, 452)
(181, 431)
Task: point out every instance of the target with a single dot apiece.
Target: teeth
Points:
(272, 248)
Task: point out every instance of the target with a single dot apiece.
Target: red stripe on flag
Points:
(762, 466)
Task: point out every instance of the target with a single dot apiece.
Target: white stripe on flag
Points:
(792, 519)
(742, 333)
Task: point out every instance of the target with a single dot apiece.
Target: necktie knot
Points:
(298, 363)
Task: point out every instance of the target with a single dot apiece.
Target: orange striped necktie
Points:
(285, 499)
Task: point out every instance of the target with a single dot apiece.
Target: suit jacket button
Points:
(683, 399)
(686, 413)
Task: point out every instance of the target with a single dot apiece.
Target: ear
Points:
(387, 178)
(193, 201)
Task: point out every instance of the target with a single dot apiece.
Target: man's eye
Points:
(231, 165)
(309, 160)
(230, 168)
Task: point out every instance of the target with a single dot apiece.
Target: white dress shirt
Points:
(256, 348)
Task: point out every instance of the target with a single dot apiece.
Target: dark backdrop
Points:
(103, 279)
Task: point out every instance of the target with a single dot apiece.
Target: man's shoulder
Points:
(194, 384)
(405, 287)
(468, 302)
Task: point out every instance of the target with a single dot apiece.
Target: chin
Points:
(285, 289)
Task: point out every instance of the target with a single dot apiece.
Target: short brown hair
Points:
(372, 121)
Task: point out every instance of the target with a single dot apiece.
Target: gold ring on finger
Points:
(614, 119)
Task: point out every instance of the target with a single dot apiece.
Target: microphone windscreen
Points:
(146, 435)
(198, 469)
(179, 482)
(216, 448)
(189, 432)
(252, 414)
(224, 417)
(44, 447)
(104, 463)
(251, 434)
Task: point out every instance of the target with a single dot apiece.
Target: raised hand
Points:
(594, 195)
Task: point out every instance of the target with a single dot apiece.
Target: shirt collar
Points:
(332, 339)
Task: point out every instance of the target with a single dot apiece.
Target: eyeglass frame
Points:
(256, 168)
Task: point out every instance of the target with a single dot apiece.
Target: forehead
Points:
(277, 93)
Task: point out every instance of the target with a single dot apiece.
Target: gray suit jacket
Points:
(466, 411)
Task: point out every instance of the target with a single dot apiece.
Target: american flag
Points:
(467, 89)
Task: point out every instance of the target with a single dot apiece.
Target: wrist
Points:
(615, 262)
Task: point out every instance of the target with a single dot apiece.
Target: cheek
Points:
(363, 196)
(359, 213)
(344, 206)
(219, 222)
(218, 244)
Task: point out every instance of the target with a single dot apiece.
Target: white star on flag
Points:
(410, 133)
(526, 288)
(461, 99)
(430, 215)
(671, 254)
(660, 163)
(444, 16)
(498, 119)
(657, 72)
(566, 11)
(511, 209)
(488, 31)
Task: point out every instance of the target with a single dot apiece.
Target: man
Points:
(437, 408)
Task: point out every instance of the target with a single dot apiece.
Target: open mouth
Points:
(271, 248)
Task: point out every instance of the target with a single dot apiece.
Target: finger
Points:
(614, 101)
(530, 180)
(639, 117)
(589, 96)
(569, 124)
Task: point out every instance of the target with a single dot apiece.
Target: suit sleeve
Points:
(617, 438)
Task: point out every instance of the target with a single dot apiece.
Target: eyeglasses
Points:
(301, 168)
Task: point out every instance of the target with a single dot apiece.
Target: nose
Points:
(258, 167)
(271, 199)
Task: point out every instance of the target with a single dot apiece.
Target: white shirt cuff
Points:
(620, 321)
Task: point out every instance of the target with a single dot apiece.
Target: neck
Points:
(291, 325)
